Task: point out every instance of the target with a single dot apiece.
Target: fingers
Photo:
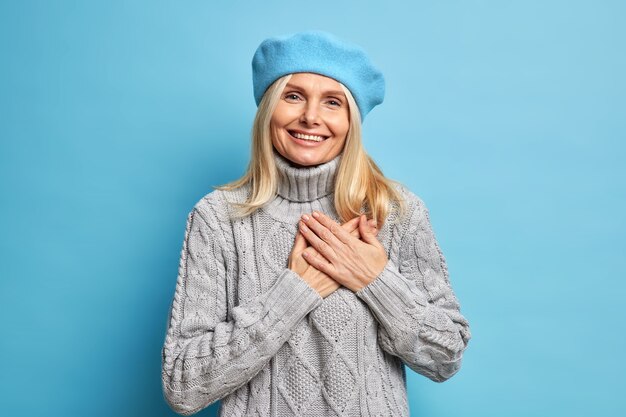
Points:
(310, 251)
(322, 225)
(364, 229)
(351, 225)
(318, 243)
(367, 232)
(372, 225)
(299, 244)
(296, 262)
(319, 262)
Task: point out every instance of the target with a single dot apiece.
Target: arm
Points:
(206, 356)
(418, 313)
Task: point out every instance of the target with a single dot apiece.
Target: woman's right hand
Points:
(318, 280)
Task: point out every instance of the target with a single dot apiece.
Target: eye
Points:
(334, 103)
(292, 96)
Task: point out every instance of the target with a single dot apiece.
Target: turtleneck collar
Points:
(306, 183)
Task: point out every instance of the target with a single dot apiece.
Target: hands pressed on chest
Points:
(346, 255)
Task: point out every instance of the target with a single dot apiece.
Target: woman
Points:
(289, 301)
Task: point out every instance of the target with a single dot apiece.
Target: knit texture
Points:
(245, 329)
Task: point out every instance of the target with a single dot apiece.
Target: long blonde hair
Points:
(360, 186)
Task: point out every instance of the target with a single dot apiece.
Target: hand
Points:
(351, 226)
(320, 281)
(352, 262)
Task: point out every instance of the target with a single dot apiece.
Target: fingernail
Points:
(305, 217)
(303, 227)
(316, 214)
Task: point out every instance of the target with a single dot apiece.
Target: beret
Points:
(322, 53)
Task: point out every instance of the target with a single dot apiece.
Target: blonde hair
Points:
(360, 186)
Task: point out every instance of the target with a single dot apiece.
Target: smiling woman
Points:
(305, 286)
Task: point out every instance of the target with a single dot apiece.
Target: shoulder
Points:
(414, 206)
(215, 211)
(415, 226)
(218, 205)
(409, 196)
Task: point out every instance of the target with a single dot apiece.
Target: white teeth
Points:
(308, 137)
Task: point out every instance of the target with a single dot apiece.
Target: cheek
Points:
(341, 127)
(275, 135)
(342, 122)
(284, 113)
(277, 119)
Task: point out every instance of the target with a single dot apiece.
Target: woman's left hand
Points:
(352, 262)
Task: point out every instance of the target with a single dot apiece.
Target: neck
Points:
(305, 183)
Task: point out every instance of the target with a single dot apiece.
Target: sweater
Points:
(245, 329)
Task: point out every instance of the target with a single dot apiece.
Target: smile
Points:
(314, 138)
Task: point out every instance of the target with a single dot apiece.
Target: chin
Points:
(308, 161)
(305, 163)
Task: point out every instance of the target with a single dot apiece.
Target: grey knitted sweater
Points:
(245, 329)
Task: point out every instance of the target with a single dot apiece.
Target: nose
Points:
(310, 114)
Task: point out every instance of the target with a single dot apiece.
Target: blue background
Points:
(508, 118)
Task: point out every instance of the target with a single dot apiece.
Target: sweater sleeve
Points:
(207, 356)
(418, 313)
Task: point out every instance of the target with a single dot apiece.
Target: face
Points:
(311, 121)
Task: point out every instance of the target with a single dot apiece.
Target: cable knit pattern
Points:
(245, 329)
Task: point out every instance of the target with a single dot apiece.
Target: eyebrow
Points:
(329, 92)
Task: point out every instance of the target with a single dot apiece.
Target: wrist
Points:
(371, 275)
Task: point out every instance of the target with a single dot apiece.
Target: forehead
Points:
(312, 81)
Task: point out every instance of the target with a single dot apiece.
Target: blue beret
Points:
(321, 53)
